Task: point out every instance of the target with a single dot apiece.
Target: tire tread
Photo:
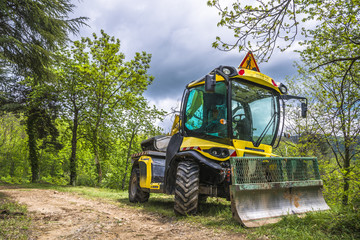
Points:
(187, 188)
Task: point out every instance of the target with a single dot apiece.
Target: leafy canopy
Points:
(31, 30)
(262, 26)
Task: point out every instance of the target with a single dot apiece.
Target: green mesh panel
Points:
(265, 170)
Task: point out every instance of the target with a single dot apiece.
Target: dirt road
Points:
(59, 215)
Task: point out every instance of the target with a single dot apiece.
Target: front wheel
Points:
(187, 188)
(136, 194)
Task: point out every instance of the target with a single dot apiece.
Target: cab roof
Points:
(245, 74)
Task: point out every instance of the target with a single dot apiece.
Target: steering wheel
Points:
(238, 117)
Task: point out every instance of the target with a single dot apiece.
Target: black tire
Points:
(187, 188)
(136, 194)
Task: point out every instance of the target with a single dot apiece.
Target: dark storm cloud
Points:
(178, 34)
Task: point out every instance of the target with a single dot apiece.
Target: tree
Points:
(138, 121)
(278, 24)
(73, 88)
(336, 115)
(331, 75)
(13, 167)
(95, 83)
(40, 111)
(331, 54)
(30, 32)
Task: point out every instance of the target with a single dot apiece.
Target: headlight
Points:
(218, 152)
(283, 88)
(226, 71)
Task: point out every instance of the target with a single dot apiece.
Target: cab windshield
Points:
(254, 113)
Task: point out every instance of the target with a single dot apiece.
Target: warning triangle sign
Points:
(249, 62)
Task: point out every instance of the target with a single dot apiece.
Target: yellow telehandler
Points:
(221, 145)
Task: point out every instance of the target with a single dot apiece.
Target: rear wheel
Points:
(187, 188)
(136, 194)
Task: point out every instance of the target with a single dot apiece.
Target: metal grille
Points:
(265, 170)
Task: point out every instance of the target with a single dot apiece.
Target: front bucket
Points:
(264, 189)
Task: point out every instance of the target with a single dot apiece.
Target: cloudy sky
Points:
(178, 34)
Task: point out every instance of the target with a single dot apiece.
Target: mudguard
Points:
(151, 172)
(200, 159)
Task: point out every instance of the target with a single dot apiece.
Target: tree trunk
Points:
(95, 146)
(345, 197)
(73, 164)
(31, 131)
(127, 159)
(98, 166)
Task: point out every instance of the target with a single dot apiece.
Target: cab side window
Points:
(194, 110)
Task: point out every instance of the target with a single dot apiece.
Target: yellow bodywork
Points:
(218, 78)
(145, 180)
(258, 78)
(248, 75)
(242, 148)
(176, 125)
(246, 147)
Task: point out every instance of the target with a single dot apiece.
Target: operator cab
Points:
(236, 108)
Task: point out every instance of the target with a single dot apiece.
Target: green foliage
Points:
(329, 77)
(336, 115)
(14, 223)
(262, 26)
(31, 30)
(315, 225)
(14, 167)
(103, 103)
(346, 223)
(54, 165)
(334, 40)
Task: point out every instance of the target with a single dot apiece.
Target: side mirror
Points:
(303, 110)
(210, 83)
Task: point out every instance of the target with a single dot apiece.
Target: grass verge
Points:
(216, 214)
(14, 222)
